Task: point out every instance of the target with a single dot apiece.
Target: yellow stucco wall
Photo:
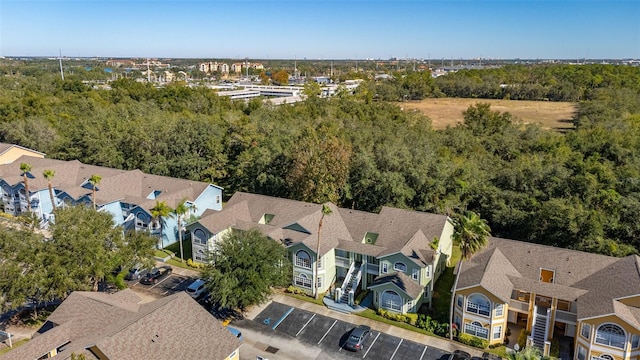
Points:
(487, 322)
(235, 355)
(595, 349)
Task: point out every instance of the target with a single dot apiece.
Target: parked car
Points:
(356, 338)
(235, 332)
(156, 274)
(459, 355)
(196, 289)
(134, 273)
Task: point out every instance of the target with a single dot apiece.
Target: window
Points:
(140, 221)
(585, 331)
(497, 332)
(428, 273)
(582, 353)
(476, 329)
(610, 335)
(303, 259)
(217, 199)
(479, 304)
(399, 266)
(319, 283)
(415, 274)
(460, 299)
(199, 237)
(385, 267)
(499, 310)
(391, 300)
(635, 341)
(602, 357)
(302, 280)
(320, 262)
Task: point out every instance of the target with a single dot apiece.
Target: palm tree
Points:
(326, 210)
(49, 174)
(181, 210)
(158, 212)
(94, 180)
(471, 233)
(528, 353)
(24, 170)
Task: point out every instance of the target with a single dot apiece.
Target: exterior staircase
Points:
(539, 329)
(351, 283)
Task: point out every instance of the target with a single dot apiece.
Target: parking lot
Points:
(166, 286)
(330, 335)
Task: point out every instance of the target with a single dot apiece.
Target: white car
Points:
(197, 288)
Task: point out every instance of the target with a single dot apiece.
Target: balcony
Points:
(519, 306)
(373, 269)
(566, 316)
(343, 262)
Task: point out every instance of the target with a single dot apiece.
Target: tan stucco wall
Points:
(15, 152)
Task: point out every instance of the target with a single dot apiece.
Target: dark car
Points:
(156, 274)
(357, 337)
(459, 355)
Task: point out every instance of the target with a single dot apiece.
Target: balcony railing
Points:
(343, 262)
(303, 262)
(373, 269)
(478, 309)
(520, 306)
(566, 316)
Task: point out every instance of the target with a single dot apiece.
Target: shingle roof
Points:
(172, 327)
(401, 281)
(594, 281)
(131, 186)
(408, 232)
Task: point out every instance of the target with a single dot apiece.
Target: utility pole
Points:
(61, 71)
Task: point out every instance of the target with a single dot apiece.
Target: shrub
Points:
(193, 264)
(522, 338)
(555, 348)
(294, 290)
(411, 319)
(472, 341)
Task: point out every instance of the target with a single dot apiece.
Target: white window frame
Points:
(319, 282)
(319, 262)
(582, 353)
(635, 341)
(416, 274)
(610, 339)
(399, 268)
(460, 300)
(302, 262)
(499, 310)
(302, 280)
(497, 330)
(385, 267)
(476, 329)
(585, 331)
(476, 308)
(427, 271)
(390, 305)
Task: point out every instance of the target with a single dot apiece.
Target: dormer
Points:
(266, 219)
(547, 275)
(154, 194)
(370, 238)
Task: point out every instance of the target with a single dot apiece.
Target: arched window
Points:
(479, 304)
(141, 221)
(391, 300)
(400, 266)
(476, 329)
(303, 259)
(199, 236)
(606, 357)
(610, 335)
(302, 280)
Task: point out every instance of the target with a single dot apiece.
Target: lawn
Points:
(186, 248)
(445, 112)
(442, 289)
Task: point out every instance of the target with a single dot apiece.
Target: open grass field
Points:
(448, 111)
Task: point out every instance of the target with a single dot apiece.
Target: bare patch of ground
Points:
(445, 112)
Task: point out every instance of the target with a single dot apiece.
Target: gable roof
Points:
(401, 281)
(408, 232)
(593, 281)
(120, 328)
(116, 185)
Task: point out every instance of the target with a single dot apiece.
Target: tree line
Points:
(579, 190)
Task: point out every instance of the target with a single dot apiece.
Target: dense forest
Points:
(579, 190)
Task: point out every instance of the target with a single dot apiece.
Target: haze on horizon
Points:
(323, 29)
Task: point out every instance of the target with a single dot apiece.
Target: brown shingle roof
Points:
(401, 281)
(172, 327)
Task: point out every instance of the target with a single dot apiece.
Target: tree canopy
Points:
(244, 267)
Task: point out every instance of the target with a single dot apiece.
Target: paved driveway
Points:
(165, 287)
(331, 334)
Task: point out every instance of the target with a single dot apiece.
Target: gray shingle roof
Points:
(594, 281)
(173, 327)
(401, 281)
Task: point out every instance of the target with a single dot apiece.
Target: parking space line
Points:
(178, 284)
(325, 334)
(305, 325)
(370, 346)
(282, 318)
(397, 347)
(423, 351)
(160, 282)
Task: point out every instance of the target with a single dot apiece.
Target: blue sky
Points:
(347, 29)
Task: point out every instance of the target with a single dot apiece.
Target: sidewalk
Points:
(437, 342)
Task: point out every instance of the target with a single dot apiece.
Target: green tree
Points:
(470, 233)
(49, 174)
(528, 353)
(159, 212)
(326, 210)
(94, 180)
(244, 268)
(181, 210)
(25, 168)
